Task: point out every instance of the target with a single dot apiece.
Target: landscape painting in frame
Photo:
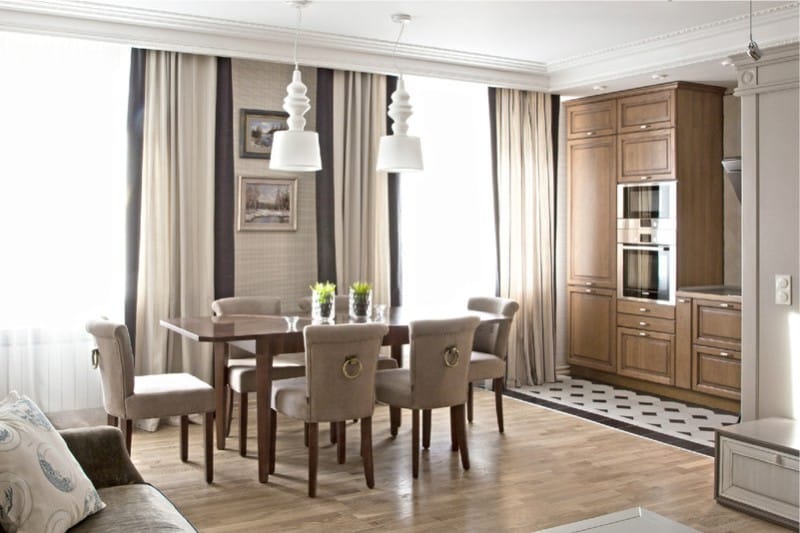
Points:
(258, 130)
(267, 204)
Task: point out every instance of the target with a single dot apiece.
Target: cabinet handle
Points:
(724, 354)
(681, 300)
(643, 334)
(644, 310)
(645, 178)
(590, 133)
(644, 126)
(643, 324)
(725, 305)
(588, 291)
(588, 283)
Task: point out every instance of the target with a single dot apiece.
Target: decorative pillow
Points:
(42, 486)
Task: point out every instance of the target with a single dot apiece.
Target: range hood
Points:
(733, 169)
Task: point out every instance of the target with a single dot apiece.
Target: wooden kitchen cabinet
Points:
(647, 156)
(590, 315)
(716, 371)
(717, 324)
(654, 110)
(646, 355)
(683, 343)
(592, 120)
(591, 220)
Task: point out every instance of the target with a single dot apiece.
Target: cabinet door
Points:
(591, 120)
(647, 156)
(716, 372)
(717, 324)
(646, 111)
(646, 355)
(591, 222)
(590, 315)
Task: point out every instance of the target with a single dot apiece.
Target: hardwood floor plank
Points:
(547, 469)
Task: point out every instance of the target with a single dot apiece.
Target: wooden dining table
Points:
(274, 335)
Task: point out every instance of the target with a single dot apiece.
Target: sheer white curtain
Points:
(63, 107)
(447, 233)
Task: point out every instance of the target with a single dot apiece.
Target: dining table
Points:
(275, 335)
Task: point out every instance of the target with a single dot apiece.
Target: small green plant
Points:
(361, 287)
(325, 291)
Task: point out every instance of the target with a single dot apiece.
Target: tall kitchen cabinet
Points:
(665, 132)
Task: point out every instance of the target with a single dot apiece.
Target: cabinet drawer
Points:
(716, 372)
(646, 156)
(646, 111)
(758, 477)
(717, 324)
(662, 325)
(645, 355)
(592, 120)
(646, 309)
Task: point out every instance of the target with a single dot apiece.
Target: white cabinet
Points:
(757, 468)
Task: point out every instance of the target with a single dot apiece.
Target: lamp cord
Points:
(297, 33)
(394, 50)
(751, 20)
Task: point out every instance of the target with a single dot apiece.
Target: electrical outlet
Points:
(783, 289)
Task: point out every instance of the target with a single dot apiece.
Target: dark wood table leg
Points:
(219, 392)
(397, 354)
(263, 406)
(396, 419)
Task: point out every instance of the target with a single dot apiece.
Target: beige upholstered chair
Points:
(341, 361)
(127, 397)
(241, 363)
(490, 349)
(437, 377)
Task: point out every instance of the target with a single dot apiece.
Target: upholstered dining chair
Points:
(436, 377)
(490, 350)
(127, 397)
(241, 363)
(341, 361)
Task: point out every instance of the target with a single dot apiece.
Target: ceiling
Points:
(567, 46)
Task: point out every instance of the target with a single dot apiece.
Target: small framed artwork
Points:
(257, 129)
(267, 204)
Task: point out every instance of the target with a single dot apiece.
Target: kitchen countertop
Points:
(712, 292)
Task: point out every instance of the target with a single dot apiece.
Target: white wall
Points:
(770, 231)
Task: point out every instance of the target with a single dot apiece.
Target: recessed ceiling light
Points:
(658, 76)
(599, 88)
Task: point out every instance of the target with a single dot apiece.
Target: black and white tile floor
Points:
(672, 422)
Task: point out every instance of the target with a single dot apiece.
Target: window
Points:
(447, 232)
(62, 206)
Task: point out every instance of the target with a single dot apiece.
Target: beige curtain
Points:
(361, 198)
(526, 216)
(176, 248)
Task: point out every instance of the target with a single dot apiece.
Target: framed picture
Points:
(257, 130)
(267, 204)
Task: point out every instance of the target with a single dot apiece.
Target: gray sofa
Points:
(131, 504)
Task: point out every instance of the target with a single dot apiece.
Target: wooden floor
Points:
(548, 469)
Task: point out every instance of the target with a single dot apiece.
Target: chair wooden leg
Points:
(112, 420)
(229, 412)
(333, 432)
(453, 436)
(415, 442)
(498, 402)
(426, 428)
(469, 402)
(126, 425)
(341, 442)
(243, 411)
(274, 438)
(461, 432)
(394, 420)
(313, 449)
(208, 444)
(184, 438)
(366, 451)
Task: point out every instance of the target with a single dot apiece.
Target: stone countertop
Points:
(725, 293)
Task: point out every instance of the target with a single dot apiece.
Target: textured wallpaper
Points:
(274, 263)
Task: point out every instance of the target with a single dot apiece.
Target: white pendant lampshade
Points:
(399, 152)
(295, 149)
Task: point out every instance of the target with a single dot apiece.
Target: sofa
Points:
(131, 504)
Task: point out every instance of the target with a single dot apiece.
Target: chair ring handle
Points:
(352, 367)
(451, 356)
(95, 358)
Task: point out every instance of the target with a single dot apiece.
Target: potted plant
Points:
(322, 301)
(360, 300)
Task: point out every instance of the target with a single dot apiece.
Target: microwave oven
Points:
(646, 205)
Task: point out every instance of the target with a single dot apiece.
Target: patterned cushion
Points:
(42, 486)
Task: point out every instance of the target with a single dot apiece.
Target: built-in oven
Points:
(646, 267)
(646, 205)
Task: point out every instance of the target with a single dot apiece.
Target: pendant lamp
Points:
(399, 152)
(295, 149)
(752, 47)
